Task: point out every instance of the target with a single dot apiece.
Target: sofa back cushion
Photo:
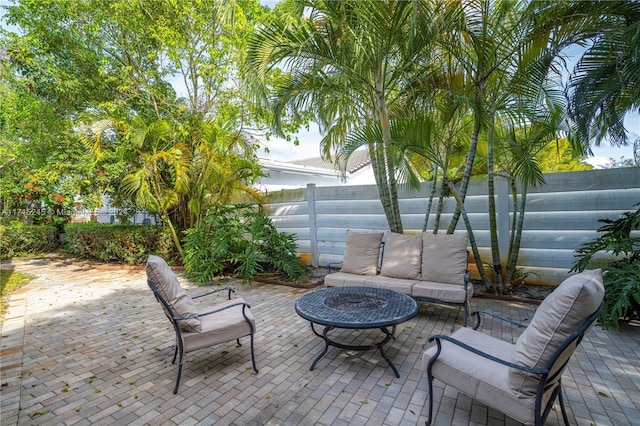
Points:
(402, 256)
(444, 257)
(362, 253)
(560, 314)
(166, 283)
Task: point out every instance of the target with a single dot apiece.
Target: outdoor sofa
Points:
(428, 267)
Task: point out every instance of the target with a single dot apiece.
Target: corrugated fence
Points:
(560, 216)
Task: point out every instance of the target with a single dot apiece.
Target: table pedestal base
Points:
(380, 345)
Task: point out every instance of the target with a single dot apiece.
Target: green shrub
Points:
(19, 239)
(622, 277)
(237, 240)
(128, 244)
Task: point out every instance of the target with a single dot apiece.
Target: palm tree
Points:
(605, 84)
(347, 64)
(164, 172)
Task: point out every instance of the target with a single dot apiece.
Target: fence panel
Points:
(560, 216)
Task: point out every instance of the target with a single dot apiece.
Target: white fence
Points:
(560, 216)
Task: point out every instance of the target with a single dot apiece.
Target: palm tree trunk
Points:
(395, 220)
(515, 246)
(473, 144)
(434, 181)
(472, 239)
(493, 226)
(443, 189)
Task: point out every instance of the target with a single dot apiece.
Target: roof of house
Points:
(358, 160)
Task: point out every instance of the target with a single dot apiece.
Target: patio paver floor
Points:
(81, 346)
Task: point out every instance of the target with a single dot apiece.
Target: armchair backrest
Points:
(164, 283)
(556, 329)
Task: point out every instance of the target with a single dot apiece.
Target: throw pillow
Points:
(402, 256)
(362, 252)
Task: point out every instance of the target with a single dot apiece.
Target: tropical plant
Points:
(238, 240)
(347, 63)
(622, 276)
(605, 84)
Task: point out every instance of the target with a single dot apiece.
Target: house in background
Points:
(298, 173)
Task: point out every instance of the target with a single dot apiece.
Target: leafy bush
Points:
(240, 241)
(19, 239)
(129, 244)
(622, 277)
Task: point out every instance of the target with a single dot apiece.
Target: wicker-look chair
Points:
(521, 380)
(195, 330)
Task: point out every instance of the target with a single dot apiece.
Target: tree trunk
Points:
(493, 225)
(393, 218)
(434, 181)
(477, 124)
(472, 239)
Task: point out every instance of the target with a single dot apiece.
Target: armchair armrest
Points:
(476, 324)
(217, 291)
(439, 337)
(243, 304)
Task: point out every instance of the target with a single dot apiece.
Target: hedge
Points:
(18, 239)
(128, 244)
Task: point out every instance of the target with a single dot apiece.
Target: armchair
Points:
(523, 379)
(229, 320)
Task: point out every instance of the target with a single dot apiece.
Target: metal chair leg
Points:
(253, 356)
(175, 390)
(562, 408)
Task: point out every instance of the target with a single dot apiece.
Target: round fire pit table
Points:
(356, 307)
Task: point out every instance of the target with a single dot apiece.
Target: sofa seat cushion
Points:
(560, 314)
(341, 279)
(220, 327)
(166, 283)
(444, 257)
(477, 377)
(395, 284)
(362, 252)
(402, 256)
(440, 291)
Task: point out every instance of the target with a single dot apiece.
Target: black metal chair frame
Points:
(176, 326)
(546, 379)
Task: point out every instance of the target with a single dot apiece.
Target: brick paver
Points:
(83, 347)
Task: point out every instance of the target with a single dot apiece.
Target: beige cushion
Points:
(341, 279)
(444, 257)
(443, 292)
(559, 315)
(396, 284)
(166, 282)
(220, 327)
(362, 252)
(402, 256)
(480, 378)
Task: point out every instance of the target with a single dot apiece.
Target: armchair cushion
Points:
(362, 252)
(166, 283)
(220, 327)
(444, 257)
(560, 314)
(478, 377)
(402, 256)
